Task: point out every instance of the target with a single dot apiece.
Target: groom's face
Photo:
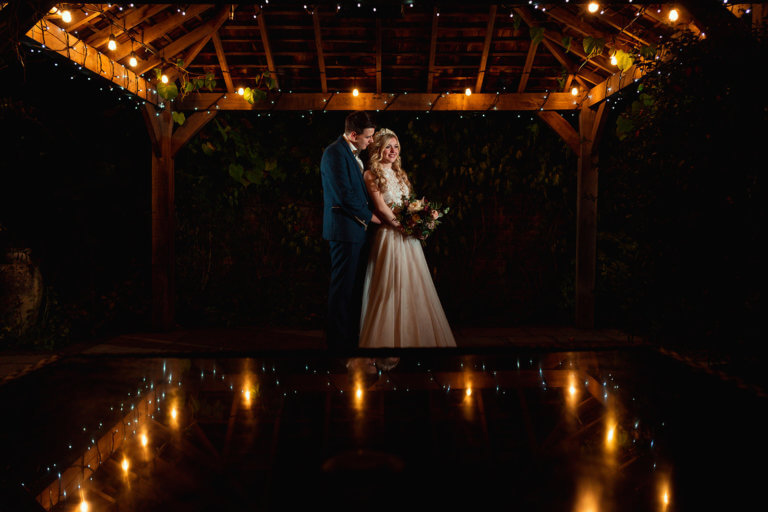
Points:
(361, 140)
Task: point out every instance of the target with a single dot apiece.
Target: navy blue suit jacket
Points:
(346, 213)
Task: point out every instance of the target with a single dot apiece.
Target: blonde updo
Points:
(380, 141)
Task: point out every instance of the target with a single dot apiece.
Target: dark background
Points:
(681, 207)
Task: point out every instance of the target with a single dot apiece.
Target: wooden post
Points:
(163, 230)
(590, 123)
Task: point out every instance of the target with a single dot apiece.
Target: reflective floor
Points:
(581, 431)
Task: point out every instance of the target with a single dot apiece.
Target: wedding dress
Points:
(400, 304)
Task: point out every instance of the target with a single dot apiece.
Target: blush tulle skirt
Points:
(400, 304)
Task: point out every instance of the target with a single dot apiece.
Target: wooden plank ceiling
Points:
(413, 47)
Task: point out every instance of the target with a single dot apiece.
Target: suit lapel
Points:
(353, 162)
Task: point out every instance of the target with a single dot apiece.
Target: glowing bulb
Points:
(610, 435)
(593, 7)
(174, 413)
(665, 498)
(469, 391)
(572, 390)
(614, 61)
(144, 440)
(53, 10)
(355, 92)
(66, 17)
(133, 62)
(468, 91)
(575, 91)
(247, 396)
(359, 393)
(112, 44)
(673, 15)
(164, 78)
(240, 91)
(83, 506)
(125, 464)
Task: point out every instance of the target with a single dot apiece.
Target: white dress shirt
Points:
(355, 151)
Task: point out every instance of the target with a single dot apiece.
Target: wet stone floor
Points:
(582, 431)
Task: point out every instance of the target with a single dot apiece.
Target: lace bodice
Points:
(393, 191)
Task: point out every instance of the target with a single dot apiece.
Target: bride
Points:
(400, 304)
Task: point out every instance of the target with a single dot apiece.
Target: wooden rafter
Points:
(82, 17)
(130, 20)
(432, 50)
(486, 48)
(372, 101)
(77, 51)
(528, 64)
(613, 84)
(620, 25)
(187, 40)
(568, 64)
(222, 62)
(319, 47)
(378, 55)
(267, 49)
(157, 31)
(557, 38)
(583, 27)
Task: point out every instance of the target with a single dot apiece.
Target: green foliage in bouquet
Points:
(418, 217)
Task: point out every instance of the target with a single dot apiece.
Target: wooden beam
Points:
(533, 101)
(378, 55)
(564, 16)
(163, 228)
(153, 127)
(486, 48)
(613, 84)
(185, 41)
(562, 127)
(586, 222)
(157, 31)
(557, 38)
(72, 48)
(131, 19)
(319, 47)
(528, 64)
(432, 50)
(189, 56)
(89, 12)
(222, 62)
(189, 129)
(267, 49)
(568, 64)
(18, 18)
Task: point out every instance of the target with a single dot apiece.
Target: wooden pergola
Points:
(415, 56)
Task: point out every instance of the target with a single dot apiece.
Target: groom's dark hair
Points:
(358, 121)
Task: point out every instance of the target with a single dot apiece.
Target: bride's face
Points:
(390, 151)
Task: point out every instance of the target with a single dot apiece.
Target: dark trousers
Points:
(345, 294)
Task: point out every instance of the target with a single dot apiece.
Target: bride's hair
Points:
(380, 141)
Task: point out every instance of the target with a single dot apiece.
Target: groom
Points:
(346, 218)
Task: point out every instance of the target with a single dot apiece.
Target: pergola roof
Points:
(407, 56)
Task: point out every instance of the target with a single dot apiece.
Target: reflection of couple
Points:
(381, 291)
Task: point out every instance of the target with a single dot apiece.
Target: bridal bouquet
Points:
(418, 217)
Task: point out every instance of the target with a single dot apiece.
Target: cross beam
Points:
(533, 101)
